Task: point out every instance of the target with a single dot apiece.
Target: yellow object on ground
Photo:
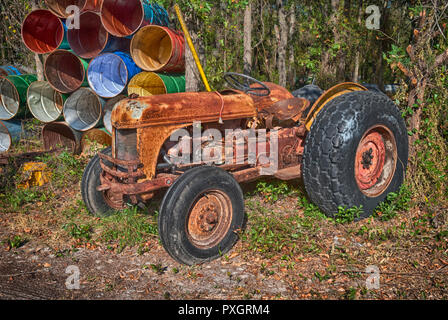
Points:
(33, 174)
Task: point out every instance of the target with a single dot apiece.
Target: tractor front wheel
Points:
(200, 215)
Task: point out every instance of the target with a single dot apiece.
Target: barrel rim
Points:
(50, 8)
(16, 93)
(9, 135)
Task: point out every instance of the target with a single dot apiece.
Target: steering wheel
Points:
(242, 82)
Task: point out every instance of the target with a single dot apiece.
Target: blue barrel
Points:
(64, 44)
(10, 131)
(109, 73)
(9, 71)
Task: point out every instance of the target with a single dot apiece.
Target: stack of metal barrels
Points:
(96, 53)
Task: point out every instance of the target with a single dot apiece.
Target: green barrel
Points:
(13, 95)
(173, 83)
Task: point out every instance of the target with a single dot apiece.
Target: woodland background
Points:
(294, 43)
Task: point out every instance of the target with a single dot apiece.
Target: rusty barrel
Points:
(65, 71)
(107, 110)
(109, 73)
(9, 71)
(92, 38)
(42, 31)
(150, 83)
(60, 134)
(44, 102)
(10, 132)
(98, 135)
(123, 18)
(159, 49)
(13, 91)
(83, 110)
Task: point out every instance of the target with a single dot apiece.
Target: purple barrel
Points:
(109, 73)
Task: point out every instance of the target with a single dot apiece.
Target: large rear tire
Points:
(355, 153)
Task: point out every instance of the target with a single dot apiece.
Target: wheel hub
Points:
(375, 160)
(209, 219)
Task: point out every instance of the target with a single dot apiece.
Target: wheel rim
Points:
(209, 219)
(375, 161)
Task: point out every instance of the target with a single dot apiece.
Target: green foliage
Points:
(273, 190)
(81, 232)
(394, 203)
(349, 215)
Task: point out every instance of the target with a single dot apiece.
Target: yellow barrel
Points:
(150, 83)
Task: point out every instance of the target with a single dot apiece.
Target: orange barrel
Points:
(44, 102)
(122, 18)
(59, 134)
(150, 83)
(98, 135)
(65, 71)
(42, 31)
(159, 49)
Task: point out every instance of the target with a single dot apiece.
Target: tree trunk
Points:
(291, 66)
(358, 52)
(283, 41)
(247, 58)
(38, 61)
(192, 76)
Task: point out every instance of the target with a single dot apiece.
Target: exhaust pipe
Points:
(108, 107)
(149, 83)
(13, 91)
(159, 49)
(44, 102)
(59, 134)
(9, 71)
(10, 132)
(109, 73)
(123, 18)
(83, 110)
(42, 31)
(92, 38)
(65, 71)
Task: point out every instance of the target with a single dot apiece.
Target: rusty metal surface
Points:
(57, 134)
(284, 110)
(58, 7)
(181, 108)
(209, 219)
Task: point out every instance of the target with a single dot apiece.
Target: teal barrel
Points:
(13, 95)
(9, 71)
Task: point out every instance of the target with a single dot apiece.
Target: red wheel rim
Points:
(375, 161)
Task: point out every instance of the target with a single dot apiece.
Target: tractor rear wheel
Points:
(200, 215)
(355, 153)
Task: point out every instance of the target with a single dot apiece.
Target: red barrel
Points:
(159, 49)
(91, 37)
(58, 7)
(122, 18)
(42, 31)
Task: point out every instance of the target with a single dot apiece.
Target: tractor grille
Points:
(126, 144)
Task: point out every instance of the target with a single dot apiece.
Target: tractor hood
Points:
(186, 107)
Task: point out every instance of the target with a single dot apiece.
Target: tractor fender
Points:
(327, 96)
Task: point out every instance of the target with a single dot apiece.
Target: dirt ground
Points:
(288, 250)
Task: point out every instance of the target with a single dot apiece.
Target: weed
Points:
(272, 190)
(158, 268)
(15, 242)
(394, 203)
(349, 215)
(79, 232)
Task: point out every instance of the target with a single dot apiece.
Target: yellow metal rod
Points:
(192, 48)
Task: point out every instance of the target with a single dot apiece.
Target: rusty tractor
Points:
(348, 144)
